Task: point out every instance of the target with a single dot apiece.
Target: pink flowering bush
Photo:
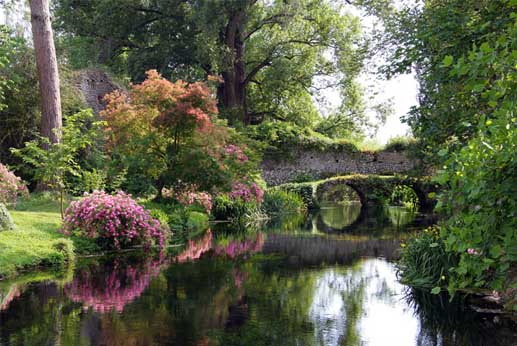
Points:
(11, 186)
(247, 191)
(234, 151)
(117, 221)
(188, 196)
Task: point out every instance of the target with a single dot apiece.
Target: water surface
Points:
(325, 279)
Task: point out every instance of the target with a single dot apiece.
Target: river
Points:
(322, 279)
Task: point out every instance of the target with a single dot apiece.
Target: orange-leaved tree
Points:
(163, 132)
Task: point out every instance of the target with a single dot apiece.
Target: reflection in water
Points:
(195, 248)
(400, 216)
(361, 306)
(13, 292)
(235, 248)
(111, 286)
(339, 216)
(304, 289)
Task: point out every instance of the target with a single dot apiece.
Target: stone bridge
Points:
(371, 189)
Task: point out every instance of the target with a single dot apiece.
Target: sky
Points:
(403, 91)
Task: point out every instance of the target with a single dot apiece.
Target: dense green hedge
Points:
(283, 137)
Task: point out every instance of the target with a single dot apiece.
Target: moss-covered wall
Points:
(304, 164)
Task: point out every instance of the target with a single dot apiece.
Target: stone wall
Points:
(94, 84)
(324, 164)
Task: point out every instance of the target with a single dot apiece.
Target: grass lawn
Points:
(35, 241)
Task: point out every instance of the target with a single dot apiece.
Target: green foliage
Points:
(303, 177)
(6, 222)
(400, 143)
(196, 222)
(19, 94)
(479, 179)
(305, 190)
(425, 263)
(282, 202)
(52, 165)
(425, 39)
(235, 210)
(404, 195)
(481, 202)
(283, 48)
(284, 137)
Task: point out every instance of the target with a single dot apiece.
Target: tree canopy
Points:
(273, 56)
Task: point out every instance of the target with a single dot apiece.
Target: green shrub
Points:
(6, 222)
(304, 190)
(304, 177)
(196, 222)
(481, 202)
(282, 137)
(404, 195)
(400, 143)
(425, 262)
(226, 208)
(280, 202)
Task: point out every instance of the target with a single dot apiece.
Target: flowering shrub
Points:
(164, 132)
(118, 220)
(189, 196)
(234, 151)
(247, 191)
(10, 186)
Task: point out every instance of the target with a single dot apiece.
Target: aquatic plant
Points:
(117, 221)
(279, 201)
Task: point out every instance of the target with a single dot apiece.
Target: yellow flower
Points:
(488, 122)
(402, 245)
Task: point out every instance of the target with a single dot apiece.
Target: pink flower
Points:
(471, 251)
(247, 192)
(118, 219)
(188, 195)
(11, 186)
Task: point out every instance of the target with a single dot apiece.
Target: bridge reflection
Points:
(317, 250)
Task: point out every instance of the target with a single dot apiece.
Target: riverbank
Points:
(36, 241)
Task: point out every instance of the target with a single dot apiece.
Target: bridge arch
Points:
(373, 189)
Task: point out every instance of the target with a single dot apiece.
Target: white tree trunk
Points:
(48, 74)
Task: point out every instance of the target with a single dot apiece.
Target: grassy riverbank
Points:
(36, 241)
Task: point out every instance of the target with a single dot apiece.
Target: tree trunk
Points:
(232, 92)
(48, 74)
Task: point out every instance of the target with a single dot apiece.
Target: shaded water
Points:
(326, 279)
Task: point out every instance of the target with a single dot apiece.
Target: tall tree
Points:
(270, 54)
(48, 75)
(426, 39)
